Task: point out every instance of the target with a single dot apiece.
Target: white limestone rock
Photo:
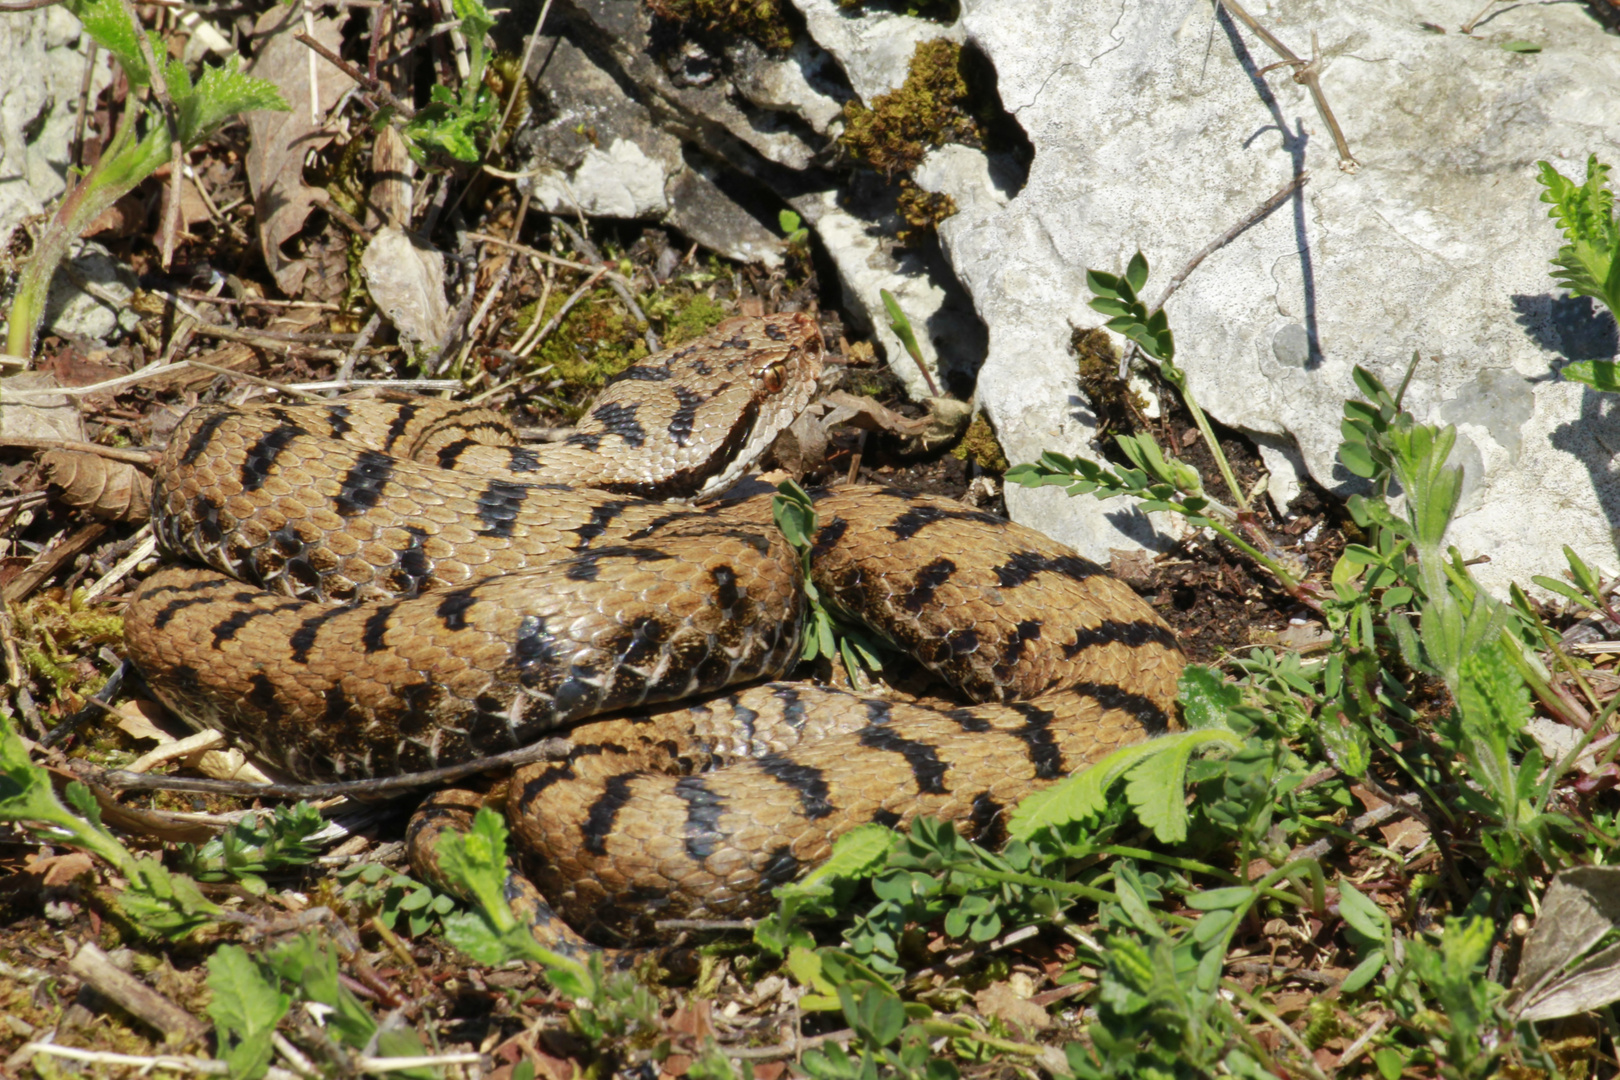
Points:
(1153, 130)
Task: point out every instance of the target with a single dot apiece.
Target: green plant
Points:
(453, 123)
(258, 844)
(199, 109)
(792, 226)
(168, 905)
(1589, 265)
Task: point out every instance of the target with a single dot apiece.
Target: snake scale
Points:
(390, 586)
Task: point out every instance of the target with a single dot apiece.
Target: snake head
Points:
(689, 421)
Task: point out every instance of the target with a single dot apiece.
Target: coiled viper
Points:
(417, 590)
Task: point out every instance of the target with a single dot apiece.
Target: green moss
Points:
(765, 21)
(685, 318)
(980, 445)
(899, 127)
(594, 342)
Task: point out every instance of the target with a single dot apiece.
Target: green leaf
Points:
(1493, 699)
(1103, 284)
(1521, 46)
(221, 93)
(1136, 274)
(1206, 697)
(1589, 265)
(247, 1005)
(900, 324)
(1231, 897)
(1361, 914)
(475, 861)
(108, 24)
(857, 854)
(1598, 374)
(1363, 973)
(1153, 783)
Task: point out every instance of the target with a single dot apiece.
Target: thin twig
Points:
(536, 253)
(116, 453)
(544, 750)
(372, 86)
(522, 73)
(1231, 234)
(124, 566)
(346, 369)
(1306, 73)
(787, 1049)
(177, 152)
(256, 301)
(255, 380)
(423, 386)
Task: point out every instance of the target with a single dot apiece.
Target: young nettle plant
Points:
(1589, 265)
(453, 123)
(200, 108)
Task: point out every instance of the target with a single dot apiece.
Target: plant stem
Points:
(121, 168)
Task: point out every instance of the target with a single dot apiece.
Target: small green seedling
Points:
(1589, 265)
(792, 227)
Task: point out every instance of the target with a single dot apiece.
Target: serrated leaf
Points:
(856, 854)
(1082, 796)
(107, 22)
(247, 1005)
(221, 92)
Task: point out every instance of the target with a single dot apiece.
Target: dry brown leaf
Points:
(280, 140)
(114, 490)
(1000, 1000)
(126, 217)
(54, 871)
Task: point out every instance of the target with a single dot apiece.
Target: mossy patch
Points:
(595, 341)
(765, 21)
(922, 210)
(928, 110)
(1118, 407)
(685, 317)
(980, 446)
(56, 637)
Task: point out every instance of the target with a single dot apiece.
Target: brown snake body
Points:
(423, 591)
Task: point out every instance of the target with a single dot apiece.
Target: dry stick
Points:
(116, 453)
(346, 369)
(1306, 73)
(1231, 234)
(523, 69)
(536, 253)
(177, 152)
(136, 998)
(84, 103)
(787, 1049)
(255, 380)
(544, 750)
(371, 85)
(256, 301)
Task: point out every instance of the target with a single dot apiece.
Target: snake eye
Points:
(775, 377)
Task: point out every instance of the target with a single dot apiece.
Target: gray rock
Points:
(684, 93)
(859, 236)
(45, 56)
(806, 81)
(73, 311)
(600, 153)
(873, 46)
(1152, 129)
